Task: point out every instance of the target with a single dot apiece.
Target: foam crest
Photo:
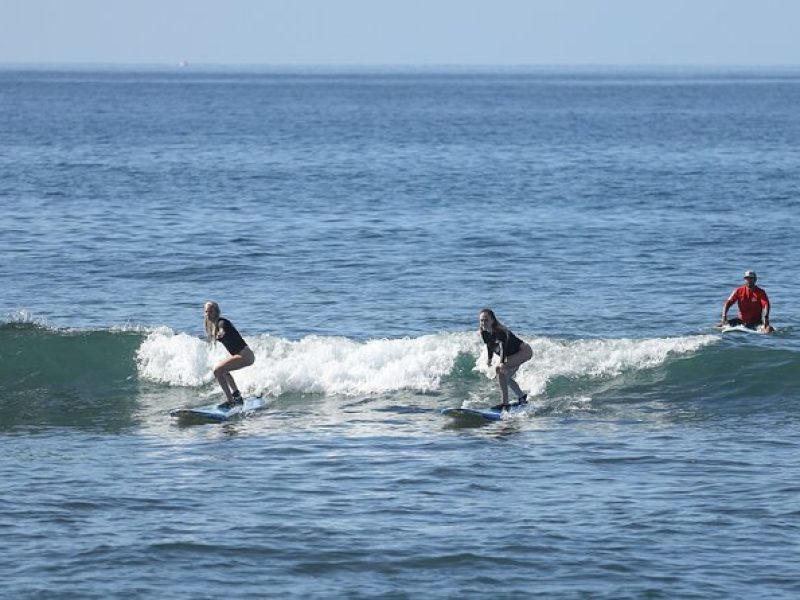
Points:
(342, 366)
(177, 359)
(600, 358)
(325, 365)
(23, 316)
(334, 365)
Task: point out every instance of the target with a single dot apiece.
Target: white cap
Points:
(752, 274)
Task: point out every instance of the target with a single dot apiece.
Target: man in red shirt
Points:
(753, 305)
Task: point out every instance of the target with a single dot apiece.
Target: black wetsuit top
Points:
(504, 344)
(232, 340)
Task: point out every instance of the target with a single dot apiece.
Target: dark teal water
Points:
(352, 225)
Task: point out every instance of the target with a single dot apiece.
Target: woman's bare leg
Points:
(233, 363)
(223, 383)
(502, 379)
(505, 376)
(515, 387)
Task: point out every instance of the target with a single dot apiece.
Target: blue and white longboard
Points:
(212, 412)
(487, 414)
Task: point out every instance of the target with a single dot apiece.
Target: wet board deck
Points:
(739, 329)
(487, 414)
(212, 412)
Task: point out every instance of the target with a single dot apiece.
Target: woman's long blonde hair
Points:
(211, 321)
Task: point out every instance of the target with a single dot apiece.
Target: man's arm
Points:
(728, 303)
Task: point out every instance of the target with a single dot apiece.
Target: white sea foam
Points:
(601, 358)
(176, 359)
(314, 364)
(331, 365)
(22, 316)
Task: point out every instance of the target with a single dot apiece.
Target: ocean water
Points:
(352, 224)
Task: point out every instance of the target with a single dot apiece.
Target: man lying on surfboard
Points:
(753, 306)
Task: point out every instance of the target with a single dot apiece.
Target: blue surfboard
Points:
(212, 412)
(487, 414)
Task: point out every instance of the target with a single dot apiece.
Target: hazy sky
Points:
(402, 32)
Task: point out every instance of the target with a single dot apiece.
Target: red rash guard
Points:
(750, 302)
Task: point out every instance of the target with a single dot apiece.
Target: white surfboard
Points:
(212, 412)
(739, 329)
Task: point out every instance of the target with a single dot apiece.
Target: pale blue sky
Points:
(402, 32)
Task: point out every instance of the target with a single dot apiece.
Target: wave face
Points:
(67, 378)
(43, 370)
(35, 357)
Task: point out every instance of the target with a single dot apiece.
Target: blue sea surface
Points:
(352, 223)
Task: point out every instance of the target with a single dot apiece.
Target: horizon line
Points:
(187, 64)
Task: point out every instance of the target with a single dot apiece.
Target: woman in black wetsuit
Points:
(512, 352)
(220, 329)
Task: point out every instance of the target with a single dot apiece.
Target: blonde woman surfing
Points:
(512, 352)
(222, 330)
